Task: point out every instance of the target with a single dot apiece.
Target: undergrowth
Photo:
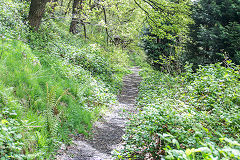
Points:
(194, 115)
(52, 84)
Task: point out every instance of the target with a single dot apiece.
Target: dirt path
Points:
(108, 131)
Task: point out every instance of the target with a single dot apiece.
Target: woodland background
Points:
(62, 64)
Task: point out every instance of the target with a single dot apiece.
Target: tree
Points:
(157, 49)
(109, 19)
(215, 33)
(166, 29)
(166, 18)
(123, 21)
(37, 10)
(105, 21)
(75, 13)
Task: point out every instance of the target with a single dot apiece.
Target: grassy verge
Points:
(52, 84)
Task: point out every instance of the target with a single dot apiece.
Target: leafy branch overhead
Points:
(167, 19)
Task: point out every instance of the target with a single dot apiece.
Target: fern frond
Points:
(52, 115)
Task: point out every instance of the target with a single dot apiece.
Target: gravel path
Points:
(108, 131)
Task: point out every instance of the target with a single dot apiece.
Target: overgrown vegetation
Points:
(62, 62)
(52, 84)
(189, 112)
(211, 33)
(215, 33)
(189, 116)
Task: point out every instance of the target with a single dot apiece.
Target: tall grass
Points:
(52, 84)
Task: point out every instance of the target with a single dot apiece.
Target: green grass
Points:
(82, 94)
(52, 84)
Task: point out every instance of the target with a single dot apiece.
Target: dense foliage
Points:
(166, 18)
(190, 116)
(52, 84)
(159, 52)
(213, 37)
(165, 32)
(215, 33)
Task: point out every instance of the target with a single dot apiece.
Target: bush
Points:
(56, 84)
(190, 116)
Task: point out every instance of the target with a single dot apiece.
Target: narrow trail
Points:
(108, 131)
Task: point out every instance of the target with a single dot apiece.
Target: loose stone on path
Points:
(108, 131)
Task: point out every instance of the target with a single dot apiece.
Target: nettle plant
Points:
(190, 116)
(10, 138)
(12, 141)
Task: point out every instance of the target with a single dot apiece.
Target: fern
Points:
(52, 113)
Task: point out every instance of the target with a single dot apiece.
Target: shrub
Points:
(82, 78)
(43, 121)
(190, 116)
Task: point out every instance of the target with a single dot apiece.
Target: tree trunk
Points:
(105, 20)
(37, 9)
(75, 21)
(85, 30)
